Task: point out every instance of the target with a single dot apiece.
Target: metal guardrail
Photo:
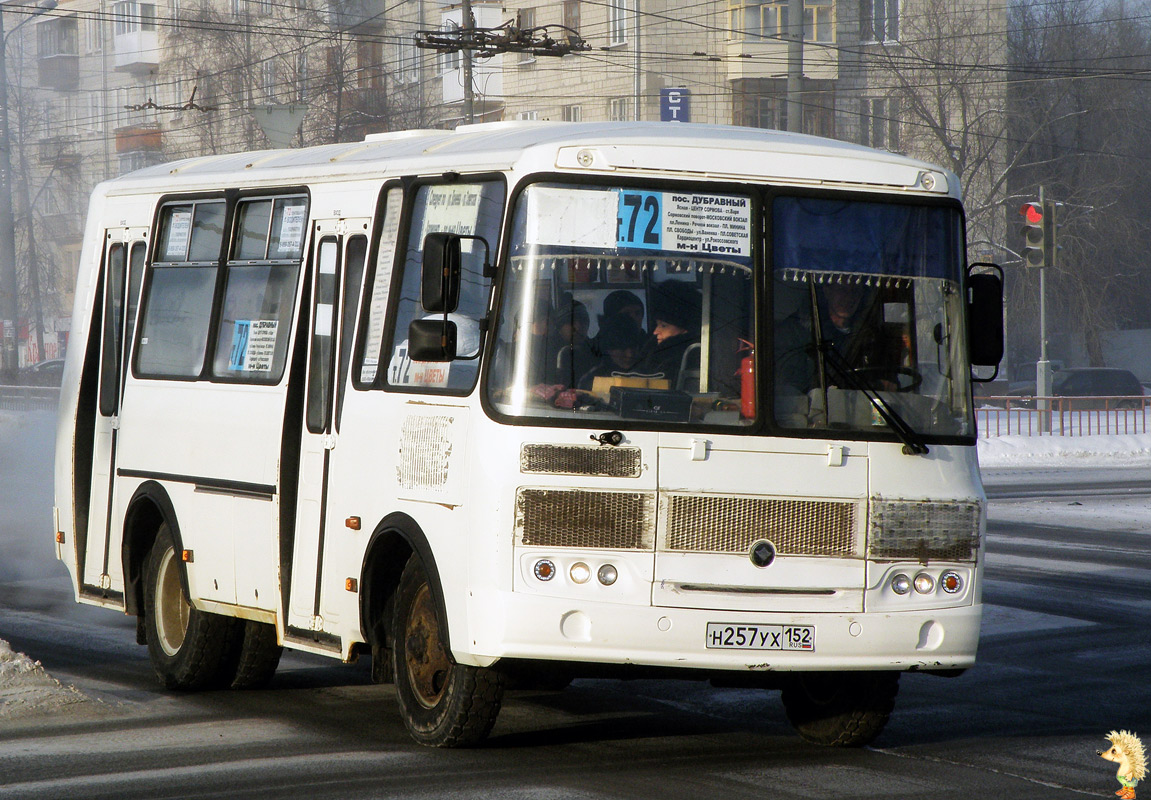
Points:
(1062, 416)
(29, 398)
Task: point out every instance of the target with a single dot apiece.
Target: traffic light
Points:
(1033, 234)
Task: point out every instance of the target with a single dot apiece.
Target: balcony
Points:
(137, 51)
(59, 151)
(361, 15)
(753, 57)
(136, 138)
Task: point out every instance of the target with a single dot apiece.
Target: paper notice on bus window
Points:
(179, 232)
(403, 371)
(567, 218)
(684, 222)
(253, 345)
(292, 229)
(453, 208)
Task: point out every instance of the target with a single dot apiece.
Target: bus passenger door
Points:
(337, 271)
(124, 254)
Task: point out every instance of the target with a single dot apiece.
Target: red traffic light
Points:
(1032, 212)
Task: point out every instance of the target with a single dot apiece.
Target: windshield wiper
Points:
(913, 443)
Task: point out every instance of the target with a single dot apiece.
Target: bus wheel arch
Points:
(392, 543)
(149, 509)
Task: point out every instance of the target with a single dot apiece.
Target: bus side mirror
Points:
(985, 315)
(432, 339)
(440, 280)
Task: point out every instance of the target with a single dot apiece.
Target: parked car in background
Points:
(43, 373)
(1088, 388)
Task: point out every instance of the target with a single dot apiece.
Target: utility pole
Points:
(469, 24)
(794, 65)
(638, 88)
(9, 283)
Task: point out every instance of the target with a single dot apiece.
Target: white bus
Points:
(529, 401)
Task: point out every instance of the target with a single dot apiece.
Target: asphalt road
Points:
(1065, 658)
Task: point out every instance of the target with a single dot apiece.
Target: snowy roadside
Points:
(26, 690)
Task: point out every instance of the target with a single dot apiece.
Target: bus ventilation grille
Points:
(923, 530)
(718, 524)
(578, 518)
(578, 459)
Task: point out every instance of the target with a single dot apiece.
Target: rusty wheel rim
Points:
(427, 660)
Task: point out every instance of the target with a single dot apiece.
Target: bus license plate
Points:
(729, 636)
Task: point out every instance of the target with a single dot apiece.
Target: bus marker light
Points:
(585, 158)
(351, 584)
(545, 569)
(951, 581)
(607, 574)
(901, 584)
(59, 537)
(580, 572)
(924, 583)
(353, 523)
(187, 556)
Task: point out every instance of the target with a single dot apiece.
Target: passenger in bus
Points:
(676, 311)
(620, 301)
(570, 344)
(621, 339)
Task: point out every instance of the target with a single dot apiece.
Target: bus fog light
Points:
(580, 572)
(951, 582)
(901, 584)
(924, 583)
(607, 575)
(545, 569)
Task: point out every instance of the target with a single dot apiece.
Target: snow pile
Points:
(1128, 450)
(26, 689)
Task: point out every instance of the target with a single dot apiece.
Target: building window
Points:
(301, 75)
(878, 126)
(619, 109)
(268, 79)
(768, 19)
(369, 61)
(573, 114)
(57, 37)
(879, 20)
(571, 15)
(528, 115)
(617, 13)
(409, 58)
(93, 35)
(449, 62)
(131, 16)
(527, 21)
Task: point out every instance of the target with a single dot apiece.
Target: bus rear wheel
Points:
(189, 649)
(840, 709)
(443, 704)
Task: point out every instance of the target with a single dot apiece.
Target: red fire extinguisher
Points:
(747, 380)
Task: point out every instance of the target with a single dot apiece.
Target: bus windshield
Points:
(639, 304)
(629, 303)
(867, 311)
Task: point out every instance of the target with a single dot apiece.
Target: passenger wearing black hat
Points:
(676, 310)
(621, 340)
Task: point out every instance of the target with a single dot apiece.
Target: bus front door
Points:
(337, 271)
(124, 254)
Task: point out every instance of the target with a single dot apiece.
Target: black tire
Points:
(840, 709)
(443, 704)
(189, 649)
(258, 657)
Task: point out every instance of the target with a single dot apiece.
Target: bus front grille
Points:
(580, 518)
(726, 524)
(578, 459)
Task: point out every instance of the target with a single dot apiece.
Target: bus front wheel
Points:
(443, 704)
(840, 709)
(189, 649)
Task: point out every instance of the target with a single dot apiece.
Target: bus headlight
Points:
(924, 583)
(607, 574)
(580, 572)
(901, 584)
(545, 569)
(951, 582)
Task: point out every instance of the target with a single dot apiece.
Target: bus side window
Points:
(260, 290)
(470, 209)
(178, 301)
